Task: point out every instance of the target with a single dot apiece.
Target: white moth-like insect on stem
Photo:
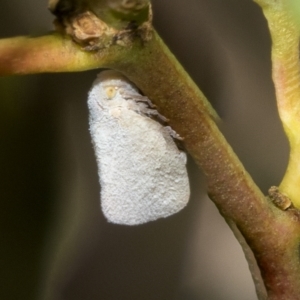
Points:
(142, 172)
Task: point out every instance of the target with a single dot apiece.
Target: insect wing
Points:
(142, 172)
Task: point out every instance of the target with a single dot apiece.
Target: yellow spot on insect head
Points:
(111, 91)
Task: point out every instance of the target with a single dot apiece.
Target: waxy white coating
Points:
(142, 172)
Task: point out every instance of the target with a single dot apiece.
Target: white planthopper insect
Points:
(142, 172)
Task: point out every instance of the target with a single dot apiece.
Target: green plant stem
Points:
(272, 234)
(285, 32)
(50, 53)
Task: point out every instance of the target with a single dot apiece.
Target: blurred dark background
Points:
(55, 242)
